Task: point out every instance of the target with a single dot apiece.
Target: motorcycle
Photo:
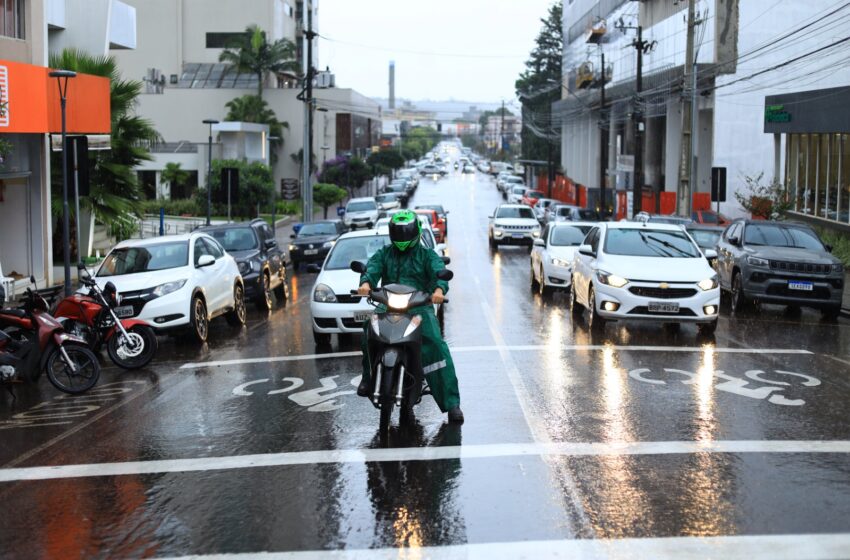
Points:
(32, 342)
(94, 317)
(456, 165)
(395, 343)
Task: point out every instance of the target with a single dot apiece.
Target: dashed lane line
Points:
(480, 451)
(736, 547)
(509, 348)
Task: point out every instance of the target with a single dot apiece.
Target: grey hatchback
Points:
(779, 262)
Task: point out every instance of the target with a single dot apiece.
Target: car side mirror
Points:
(292, 236)
(270, 243)
(539, 243)
(710, 254)
(205, 260)
(313, 268)
(358, 266)
(586, 250)
(445, 274)
(828, 248)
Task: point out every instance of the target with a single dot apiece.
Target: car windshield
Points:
(776, 235)
(707, 217)
(438, 209)
(589, 215)
(365, 206)
(354, 249)
(518, 190)
(668, 220)
(568, 236)
(132, 260)
(515, 212)
(235, 239)
(386, 198)
(427, 217)
(564, 211)
(318, 228)
(707, 239)
(649, 243)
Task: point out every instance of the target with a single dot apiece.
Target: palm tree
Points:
(252, 53)
(174, 175)
(115, 190)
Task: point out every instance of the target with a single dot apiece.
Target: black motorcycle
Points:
(395, 347)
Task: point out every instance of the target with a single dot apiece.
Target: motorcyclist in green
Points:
(406, 261)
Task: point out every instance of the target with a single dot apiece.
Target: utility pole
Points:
(307, 98)
(501, 129)
(603, 143)
(689, 110)
(637, 120)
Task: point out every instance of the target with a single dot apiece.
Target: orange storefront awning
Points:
(29, 101)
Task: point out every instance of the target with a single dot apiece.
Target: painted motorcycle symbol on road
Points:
(320, 399)
(739, 386)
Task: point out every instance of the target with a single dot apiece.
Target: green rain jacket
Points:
(417, 268)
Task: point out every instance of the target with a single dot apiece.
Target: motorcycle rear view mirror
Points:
(358, 266)
(445, 274)
(446, 260)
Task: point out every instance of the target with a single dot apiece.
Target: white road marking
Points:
(502, 347)
(483, 451)
(737, 547)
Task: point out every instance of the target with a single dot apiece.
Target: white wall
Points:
(92, 25)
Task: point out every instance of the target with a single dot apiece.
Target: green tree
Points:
(173, 175)
(256, 187)
(344, 171)
(388, 159)
(326, 195)
(538, 86)
(255, 109)
(253, 53)
(115, 195)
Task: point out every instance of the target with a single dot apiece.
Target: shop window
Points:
(803, 173)
(12, 23)
(791, 156)
(843, 209)
(822, 187)
(832, 186)
(223, 40)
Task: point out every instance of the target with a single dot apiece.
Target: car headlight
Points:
(324, 294)
(256, 265)
(497, 233)
(839, 268)
(708, 283)
(757, 261)
(292, 248)
(398, 301)
(168, 287)
(328, 244)
(611, 279)
(559, 262)
(244, 267)
(535, 232)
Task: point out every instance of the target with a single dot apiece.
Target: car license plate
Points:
(663, 307)
(361, 316)
(802, 286)
(517, 236)
(124, 311)
(311, 252)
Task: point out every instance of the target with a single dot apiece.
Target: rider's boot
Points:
(363, 388)
(456, 415)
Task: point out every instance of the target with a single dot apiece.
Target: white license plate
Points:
(663, 307)
(802, 286)
(361, 316)
(311, 252)
(518, 236)
(124, 311)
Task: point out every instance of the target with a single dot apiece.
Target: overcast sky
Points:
(471, 50)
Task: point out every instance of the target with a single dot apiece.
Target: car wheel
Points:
(493, 245)
(575, 306)
(594, 321)
(200, 320)
(545, 291)
(737, 293)
(534, 284)
(282, 291)
(321, 339)
(707, 329)
(238, 316)
(264, 301)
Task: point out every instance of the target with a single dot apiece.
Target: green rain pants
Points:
(437, 362)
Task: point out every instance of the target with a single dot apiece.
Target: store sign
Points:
(4, 96)
(776, 114)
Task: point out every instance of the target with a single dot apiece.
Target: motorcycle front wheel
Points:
(73, 369)
(136, 350)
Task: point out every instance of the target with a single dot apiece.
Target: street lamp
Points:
(210, 122)
(62, 77)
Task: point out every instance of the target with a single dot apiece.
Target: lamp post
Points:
(210, 122)
(62, 77)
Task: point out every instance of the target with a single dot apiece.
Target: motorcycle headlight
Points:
(611, 279)
(708, 283)
(168, 287)
(324, 294)
(328, 244)
(398, 301)
(757, 261)
(560, 262)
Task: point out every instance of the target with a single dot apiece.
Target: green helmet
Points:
(405, 230)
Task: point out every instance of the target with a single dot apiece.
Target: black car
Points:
(314, 241)
(259, 257)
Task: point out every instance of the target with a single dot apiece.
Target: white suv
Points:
(361, 212)
(513, 224)
(175, 282)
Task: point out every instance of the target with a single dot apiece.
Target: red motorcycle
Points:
(131, 343)
(32, 341)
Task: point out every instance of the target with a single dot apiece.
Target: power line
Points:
(424, 53)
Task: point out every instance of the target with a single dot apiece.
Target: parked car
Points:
(779, 262)
(176, 282)
(571, 213)
(434, 221)
(647, 218)
(484, 166)
(628, 270)
(709, 217)
(314, 241)
(512, 224)
(442, 213)
(259, 257)
(431, 170)
(530, 197)
(361, 212)
(515, 195)
(400, 192)
(553, 253)
(468, 168)
(388, 201)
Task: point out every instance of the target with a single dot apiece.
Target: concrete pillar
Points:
(673, 145)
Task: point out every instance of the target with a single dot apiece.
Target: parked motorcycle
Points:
(94, 317)
(32, 341)
(395, 347)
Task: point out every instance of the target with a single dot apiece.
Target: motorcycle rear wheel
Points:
(387, 398)
(133, 358)
(79, 379)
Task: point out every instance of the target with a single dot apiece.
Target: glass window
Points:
(650, 243)
(705, 238)
(355, 249)
(775, 235)
(589, 215)
(515, 212)
(833, 188)
(132, 260)
(317, 228)
(843, 209)
(235, 239)
(201, 249)
(802, 170)
(593, 239)
(214, 248)
(822, 189)
(811, 173)
(568, 236)
(365, 206)
(12, 23)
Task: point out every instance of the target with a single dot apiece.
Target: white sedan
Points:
(552, 256)
(627, 270)
(175, 282)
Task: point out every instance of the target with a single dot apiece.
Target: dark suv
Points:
(779, 262)
(260, 259)
(314, 241)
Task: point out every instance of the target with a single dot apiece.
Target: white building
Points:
(740, 41)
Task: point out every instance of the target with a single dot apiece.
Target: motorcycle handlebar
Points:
(356, 293)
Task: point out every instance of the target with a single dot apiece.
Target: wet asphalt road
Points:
(627, 444)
